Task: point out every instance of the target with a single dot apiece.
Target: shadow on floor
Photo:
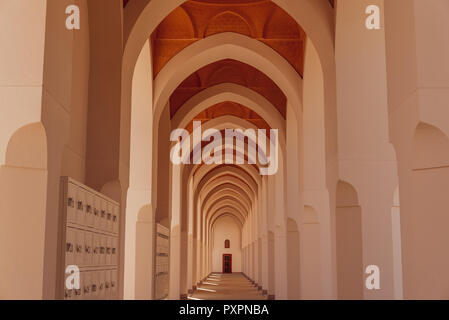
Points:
(220, 286)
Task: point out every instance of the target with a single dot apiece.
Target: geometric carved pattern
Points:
(228, 71)
(259, 19)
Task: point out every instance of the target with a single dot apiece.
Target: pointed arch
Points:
(228, 21)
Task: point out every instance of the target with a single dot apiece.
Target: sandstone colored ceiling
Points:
(231, 71)
(260, 19)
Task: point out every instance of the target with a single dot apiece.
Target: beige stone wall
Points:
(226, 229)
(74, 155)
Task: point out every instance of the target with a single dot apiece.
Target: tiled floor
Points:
(227, 287)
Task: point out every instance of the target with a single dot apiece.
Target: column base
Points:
(271, 297)
(183, 297)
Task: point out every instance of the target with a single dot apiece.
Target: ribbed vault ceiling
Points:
(262, 20)
(231, 71)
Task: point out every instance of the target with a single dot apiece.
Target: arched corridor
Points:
(212, 149)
